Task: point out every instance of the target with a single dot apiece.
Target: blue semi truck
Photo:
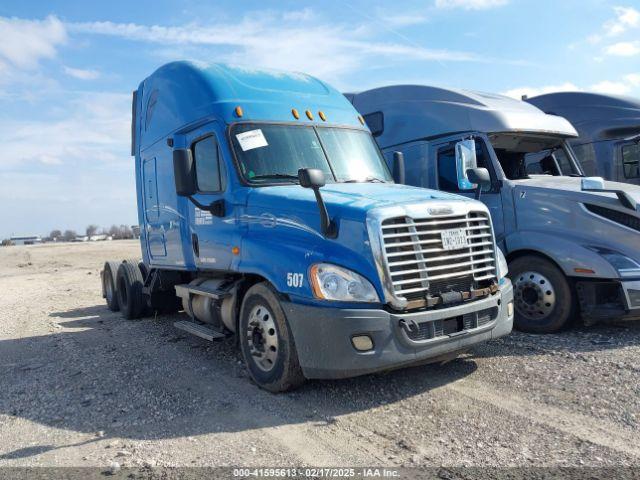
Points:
(572, 243)
(267, 211)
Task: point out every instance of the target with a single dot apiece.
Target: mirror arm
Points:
(215, 208)
(329, 227)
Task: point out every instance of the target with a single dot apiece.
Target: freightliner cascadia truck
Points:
(609, 129)
(266, 208)
(572, 243)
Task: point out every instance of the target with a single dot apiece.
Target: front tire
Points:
(544, 300)
(266, 341)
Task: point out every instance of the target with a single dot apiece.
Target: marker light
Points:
(238, 111)
(361, 119)
(583, 270)
(295, 113)
(235, 250)
(322, 116)
(309, 115)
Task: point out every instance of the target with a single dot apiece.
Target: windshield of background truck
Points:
(522, 155)
(274, 153)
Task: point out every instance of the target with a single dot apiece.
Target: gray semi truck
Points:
(609, 129)
(572, 243)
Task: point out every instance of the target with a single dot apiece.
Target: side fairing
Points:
(555, 222)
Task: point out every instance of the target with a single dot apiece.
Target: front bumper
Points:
(323, 336)
(609, 300)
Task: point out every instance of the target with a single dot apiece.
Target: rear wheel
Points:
(543, 298)
(266, 341)
(129, 282)
(109, 285)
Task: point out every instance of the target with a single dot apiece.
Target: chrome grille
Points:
(417, 263)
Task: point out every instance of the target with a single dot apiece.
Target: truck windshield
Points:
(269, 153)
(524, 155)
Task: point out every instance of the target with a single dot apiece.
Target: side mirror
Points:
(465, 161)
(398, 167)
(184, 172)
(311, 178)
(481, 178)
(592, 183)
(314, 179)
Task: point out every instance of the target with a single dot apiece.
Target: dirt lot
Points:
(80, 386)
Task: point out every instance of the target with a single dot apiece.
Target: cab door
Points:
(444, 153)
(155, 231)
(211, 234)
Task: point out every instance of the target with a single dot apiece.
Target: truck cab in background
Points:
(609, 129)
(266, 208)
(572, 243)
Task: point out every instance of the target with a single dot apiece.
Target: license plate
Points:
(454, 239)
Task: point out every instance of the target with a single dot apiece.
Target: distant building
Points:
(100, 237)
(81, 238)
(26, 240)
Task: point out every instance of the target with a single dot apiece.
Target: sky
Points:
(67, 70)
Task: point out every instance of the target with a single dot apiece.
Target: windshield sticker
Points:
(251, 139)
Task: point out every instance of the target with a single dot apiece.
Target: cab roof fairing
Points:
(595, 116)
(183, 93)
(415, 111)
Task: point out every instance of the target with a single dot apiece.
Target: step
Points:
(197, 290)
(199, 330)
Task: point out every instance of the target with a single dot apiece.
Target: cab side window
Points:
(206, 156)
(447, 174)
(631, 160)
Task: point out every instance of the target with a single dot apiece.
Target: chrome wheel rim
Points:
(262, 338)
(535, 296)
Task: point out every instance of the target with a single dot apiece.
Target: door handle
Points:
(195, 244)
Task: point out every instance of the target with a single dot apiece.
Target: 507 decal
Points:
(295, 280)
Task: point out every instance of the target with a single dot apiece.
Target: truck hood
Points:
(573, 187)
(344, 200)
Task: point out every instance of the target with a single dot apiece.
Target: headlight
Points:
(331, 282)
(503, 268)
(625, 266)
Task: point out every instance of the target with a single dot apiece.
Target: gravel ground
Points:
(81, 386)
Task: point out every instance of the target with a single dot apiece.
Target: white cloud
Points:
(471, 4)
(328, 50)
(92, 129)
(623, 49)
(633, 79)
(611, 88)
(626, 17)
(403, 19)
(23, 43)
(626, 85)
(81, 74)
(534, 91)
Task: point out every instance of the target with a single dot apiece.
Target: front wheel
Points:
(543, 298)
(266, 341)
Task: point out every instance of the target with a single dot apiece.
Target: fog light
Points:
(510, 309)
(362, 343)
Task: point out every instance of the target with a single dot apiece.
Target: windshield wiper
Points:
(368, 180)
(285, 176)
